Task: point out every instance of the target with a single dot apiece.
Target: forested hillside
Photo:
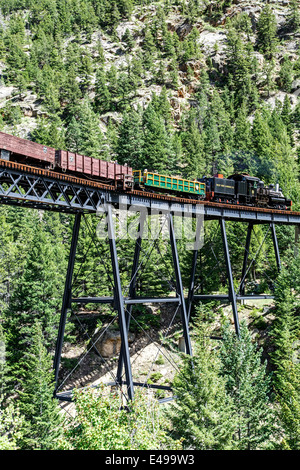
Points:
(181, 87)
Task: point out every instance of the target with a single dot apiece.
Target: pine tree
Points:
(130, 143)
(157, 152)
(128, 39)
(293, 17)
(43, 420)
(83, 134)
(49, 133)
(203, 414)
(262, 141)
(193, 147)
(248, 384)
(286, 115)
(37, 292)
(286, 75)
(102, 99)
(242, 134)
(267, 32)
(285, 338)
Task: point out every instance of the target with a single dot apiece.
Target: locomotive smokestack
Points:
(277, 187)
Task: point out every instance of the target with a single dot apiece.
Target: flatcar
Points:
(151, 181)
(236, 189)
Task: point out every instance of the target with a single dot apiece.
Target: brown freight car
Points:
(24, 151)
(21, 150)
(110, 172)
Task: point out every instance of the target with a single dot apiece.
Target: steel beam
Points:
(226, 298)
(246, 255)
(276, 249)
(132, 288)
(67, 298)
(194, 266)
(232, 294)
(127, 300)
(184, 317)
(152, 300)
(119, 302)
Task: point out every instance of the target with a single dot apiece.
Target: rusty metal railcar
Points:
(110, 172)
(22, 150)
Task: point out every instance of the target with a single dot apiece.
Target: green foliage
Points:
(43, 420)
(286, 339)
(293, 17)
(267, 32)
(248, 385)
(89, 74)
(203, 413)
(83, 133)
(102, 423)
(11, 425)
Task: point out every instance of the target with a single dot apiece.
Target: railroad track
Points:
(145, 194)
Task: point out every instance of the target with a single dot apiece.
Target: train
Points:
(237, 189)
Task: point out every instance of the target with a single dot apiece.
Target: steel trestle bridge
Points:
(36, 188)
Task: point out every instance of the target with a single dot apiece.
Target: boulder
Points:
(184, 29)
(108, 343)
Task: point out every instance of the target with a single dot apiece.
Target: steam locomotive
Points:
(236, 189)
(245, 190)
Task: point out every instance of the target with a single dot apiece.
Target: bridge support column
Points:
(132, 289)
(194, 266)
(66, 299)
(246, 256)
(276, 249)
(119, 302)
(179, 287)
(232, 294)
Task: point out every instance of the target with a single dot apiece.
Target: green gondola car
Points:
(176, 185)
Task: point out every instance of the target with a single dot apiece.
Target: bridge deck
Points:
(31, 187)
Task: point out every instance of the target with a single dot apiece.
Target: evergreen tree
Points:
(248, 384)
(193, 147)
(262, 141)
(37, 292)
(43, 420)
(203, 414)
(286, 115)
(267, 32)
(286, 75)
(83, 134)
(157, 151)
(293, 17)
(128, 39)
(49, 133)
(102, 99)
(285, 338)
(242, 133)
(130, 143)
